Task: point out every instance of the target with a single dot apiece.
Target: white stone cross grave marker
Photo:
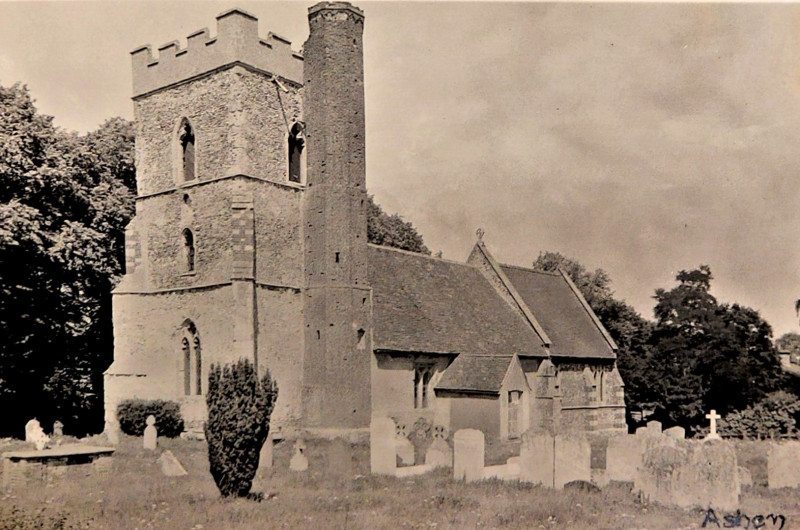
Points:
(713, 417)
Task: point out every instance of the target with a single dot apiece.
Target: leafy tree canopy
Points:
(64, 202)
(391, 230)
(707, 354)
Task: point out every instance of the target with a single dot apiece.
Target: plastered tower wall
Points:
(240, 94)
(337, 301)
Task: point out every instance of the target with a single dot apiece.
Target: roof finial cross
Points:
(479, 232)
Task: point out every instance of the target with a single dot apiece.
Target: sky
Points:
(642, 139)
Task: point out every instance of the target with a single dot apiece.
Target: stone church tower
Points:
(249, 238)
(337, 301)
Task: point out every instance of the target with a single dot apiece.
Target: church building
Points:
(250, 241)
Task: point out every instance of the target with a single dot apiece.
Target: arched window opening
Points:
(297, 145)
(187, 366)
(186, 137)
(188, 250)
(192, 360)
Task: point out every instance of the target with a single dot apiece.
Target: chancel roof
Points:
(424, 304)
(475, 373)
(559, 310)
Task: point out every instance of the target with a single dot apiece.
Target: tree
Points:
(706, 354)
(629, 330)
(64, 204)
(239, 410)
(391, 230)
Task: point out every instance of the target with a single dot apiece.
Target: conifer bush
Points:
(132, 416)
(239, 410)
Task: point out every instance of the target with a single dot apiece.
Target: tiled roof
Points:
(565, 320)
(424, 304)
(476, 373)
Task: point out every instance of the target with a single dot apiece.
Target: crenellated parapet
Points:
(237, 41)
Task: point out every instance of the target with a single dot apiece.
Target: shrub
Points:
(772, 416)
(239, 409)
(132, 415)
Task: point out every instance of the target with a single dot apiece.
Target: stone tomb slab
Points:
(21, 466)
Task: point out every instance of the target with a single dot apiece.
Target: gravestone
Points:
(655, 475)
(439, 454)
(170, 466)
(623, 457)
(536, 457)
(709, 477)
(382, 453)
(58, 429)
(35, 435)
(654, 428)
(468, 451)
(573, 459)
(150, 439)
(745, 477)
(265, 457)
(299, 461)
(404, 450)
(676, 433)
(339, 458)
(783, 465)
(690, 474)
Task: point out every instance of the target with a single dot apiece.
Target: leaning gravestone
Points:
(58, 429)
(299, 461)
(382, 453)
(150, 439)
(536, 456)
(573, 459)
(783, 465)
(170, 466)
(709, 477)
(468, 450)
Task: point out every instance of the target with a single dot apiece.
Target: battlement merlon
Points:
(237, 40)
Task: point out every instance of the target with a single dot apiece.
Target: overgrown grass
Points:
(137, 496)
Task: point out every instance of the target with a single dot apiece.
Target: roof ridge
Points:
(421, 255)
(528, 269)
(512, 290)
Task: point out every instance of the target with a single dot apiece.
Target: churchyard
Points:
(335, 489)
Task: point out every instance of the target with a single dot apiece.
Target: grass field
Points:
(135, 495)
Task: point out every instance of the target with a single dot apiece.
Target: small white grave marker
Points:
(150, 440)
(713, 417)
